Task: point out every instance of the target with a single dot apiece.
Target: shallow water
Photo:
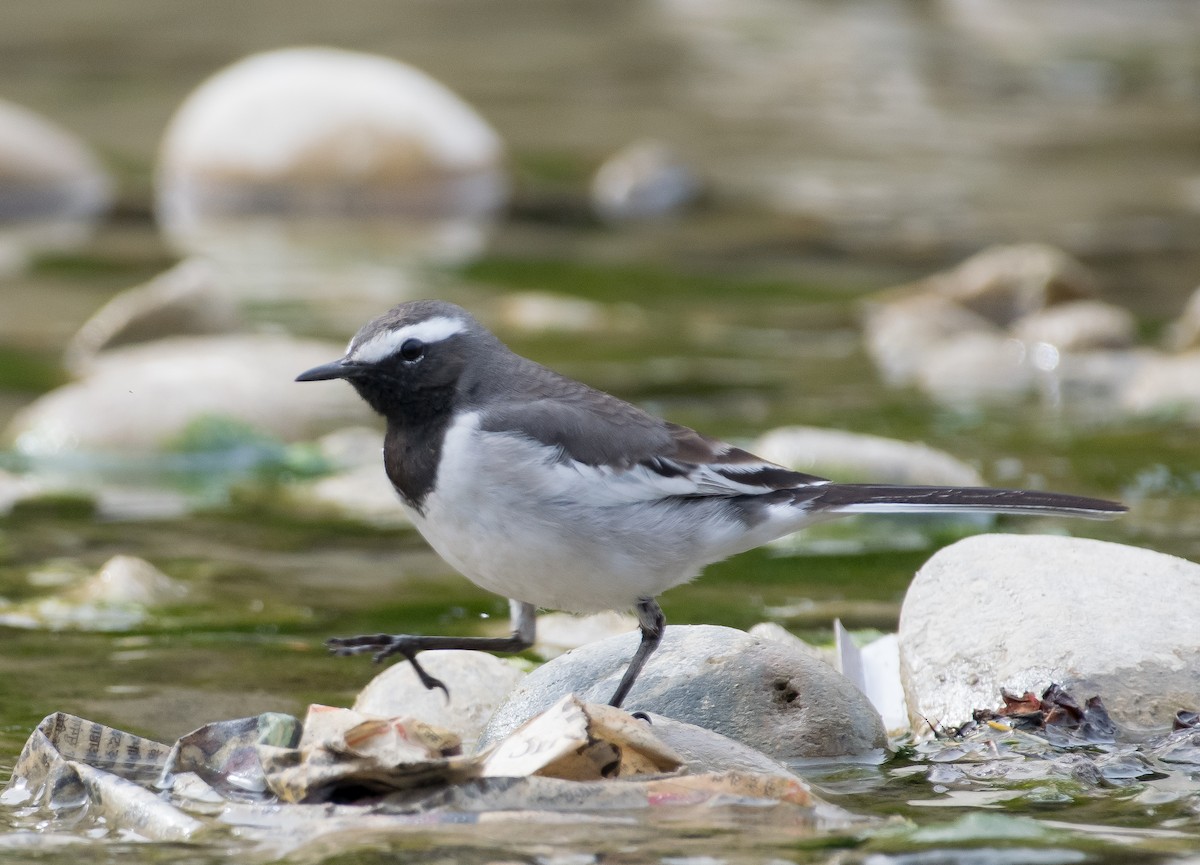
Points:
(743, 319)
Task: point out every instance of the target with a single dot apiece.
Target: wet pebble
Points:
(144, 397)
(1053, 604)
(761, 693)
(646, 180)
(118, 597)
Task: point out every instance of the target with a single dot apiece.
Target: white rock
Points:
(187, 299)
(144, 396)
(1164, 384)
(51, 187)
(130, 580)
(561, 632)
(478, 682)
(363, 493)
(314, 154)
(977, 367)
(118, 597)
(1019, 612)
(900, 330)
(1081, 325)
(847, 456)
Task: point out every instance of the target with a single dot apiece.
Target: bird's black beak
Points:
(325, 372)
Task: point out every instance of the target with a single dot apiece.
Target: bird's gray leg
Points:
(651, 622)
(524, 630)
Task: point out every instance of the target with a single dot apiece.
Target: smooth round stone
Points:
(51, 187)
(1019, 612)
(761, 693)
(703, 750)
(1164, 384)
(144, 397)
(325, 155)
(478, 682)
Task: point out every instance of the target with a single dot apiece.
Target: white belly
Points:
(520, 523)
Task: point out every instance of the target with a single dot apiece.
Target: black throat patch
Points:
(412, 447)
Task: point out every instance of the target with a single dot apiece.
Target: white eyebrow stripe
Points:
(386, 343)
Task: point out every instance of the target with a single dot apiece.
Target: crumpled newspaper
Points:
(573, 757)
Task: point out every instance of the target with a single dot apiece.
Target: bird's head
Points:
(408, 362)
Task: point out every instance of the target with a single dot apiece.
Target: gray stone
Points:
(478, 682)
(703, 750)
(761, 693)
(1018, 612)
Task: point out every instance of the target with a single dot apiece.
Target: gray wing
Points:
(595, 429)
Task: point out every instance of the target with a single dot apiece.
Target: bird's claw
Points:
(384, 646)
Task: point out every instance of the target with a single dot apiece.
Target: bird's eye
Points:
(412, 349)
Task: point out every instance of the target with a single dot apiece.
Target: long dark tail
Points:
(885, 499)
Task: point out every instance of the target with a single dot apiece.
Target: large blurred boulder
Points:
(1018, 613)
(146, 396)
(312, 156)
(847, 456)
(51, 187)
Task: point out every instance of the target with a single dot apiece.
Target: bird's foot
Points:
(382, 646)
